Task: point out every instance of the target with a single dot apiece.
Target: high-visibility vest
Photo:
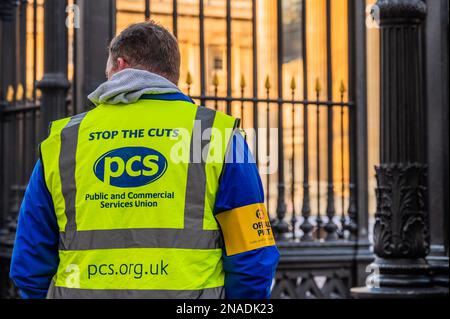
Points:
(135, 216)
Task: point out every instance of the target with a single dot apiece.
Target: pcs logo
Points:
(259, 214)
(130, 167)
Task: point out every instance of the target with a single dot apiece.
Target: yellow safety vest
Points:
(136, 219)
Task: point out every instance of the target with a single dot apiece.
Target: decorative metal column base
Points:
(401, 236)
(395, 293)
(399, 279)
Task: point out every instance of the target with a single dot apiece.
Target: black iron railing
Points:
(319, 240)
(305, 229)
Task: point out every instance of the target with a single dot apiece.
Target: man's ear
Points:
(122, 64)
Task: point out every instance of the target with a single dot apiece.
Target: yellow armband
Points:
(246, 228)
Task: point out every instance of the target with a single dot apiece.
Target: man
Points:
(145, 196)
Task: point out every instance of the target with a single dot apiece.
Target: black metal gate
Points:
(318, 197)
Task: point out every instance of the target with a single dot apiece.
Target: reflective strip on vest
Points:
(142, 238)
(55, 292)
(67, 164)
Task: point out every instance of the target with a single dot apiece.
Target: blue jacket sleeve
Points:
(248, 275)
(35, 254)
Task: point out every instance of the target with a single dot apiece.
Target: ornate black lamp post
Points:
(401, 232)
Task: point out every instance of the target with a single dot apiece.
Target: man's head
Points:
(145, 46)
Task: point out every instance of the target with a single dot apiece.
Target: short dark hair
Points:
(149, 46)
